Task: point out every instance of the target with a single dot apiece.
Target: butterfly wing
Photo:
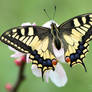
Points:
(33, 40)
(75, 34)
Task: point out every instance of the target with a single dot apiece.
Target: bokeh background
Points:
(14, 13)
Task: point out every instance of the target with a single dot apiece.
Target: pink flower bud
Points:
(8, 87)
(23, 58)
(18, 62)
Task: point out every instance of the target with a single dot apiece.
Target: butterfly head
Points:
(53, 24)
(54, 29)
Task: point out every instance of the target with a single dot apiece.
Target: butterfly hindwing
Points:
(32, 40)
(76, 33)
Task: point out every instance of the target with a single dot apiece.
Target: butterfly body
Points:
(47, 46)
(56, 39)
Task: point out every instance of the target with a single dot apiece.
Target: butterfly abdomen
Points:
(57, 43)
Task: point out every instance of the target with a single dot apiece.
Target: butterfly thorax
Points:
(56, 39)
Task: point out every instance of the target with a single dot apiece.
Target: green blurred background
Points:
(14, 13)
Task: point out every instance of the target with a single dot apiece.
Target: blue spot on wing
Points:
(77, 56)
(34, 52)
(44, 63)
(72, 57)
(81, 47)
(40, 60)
(37, 56)
(49, 62)
(79, 51)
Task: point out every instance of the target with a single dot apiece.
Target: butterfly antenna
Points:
(54, 12)
(47, 14)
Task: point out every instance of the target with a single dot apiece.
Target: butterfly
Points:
(42, 43)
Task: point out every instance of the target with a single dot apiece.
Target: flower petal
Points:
(59, 53)
(36, 71)
(12, 49)
(48, 24)
(16, 54)
(58, 77)
(27, 58)
(46, 75)
(33, 24)
(26, 24)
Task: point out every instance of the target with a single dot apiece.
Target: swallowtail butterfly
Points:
(73, 35)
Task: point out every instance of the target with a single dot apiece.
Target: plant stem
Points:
(20, 79)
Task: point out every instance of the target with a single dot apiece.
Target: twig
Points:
(21, 77)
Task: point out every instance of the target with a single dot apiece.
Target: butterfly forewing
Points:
(18, 38)
(76, 33)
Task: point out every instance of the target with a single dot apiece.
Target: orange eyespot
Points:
(67, 59)
(54, 62)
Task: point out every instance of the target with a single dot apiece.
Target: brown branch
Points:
(20, 79)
